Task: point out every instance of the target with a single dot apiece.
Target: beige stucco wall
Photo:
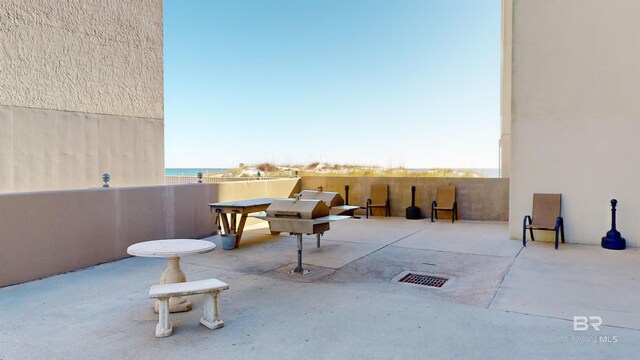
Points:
(81, 93)
(477, 198)
(49, 149)
(576, 114)
(46, 233)
(505, 98)
(94, 56)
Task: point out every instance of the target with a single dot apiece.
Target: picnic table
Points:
(172, 250)
(233, 208)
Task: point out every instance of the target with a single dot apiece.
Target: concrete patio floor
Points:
(502, 301)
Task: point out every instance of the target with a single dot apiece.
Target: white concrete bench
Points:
(210, 287)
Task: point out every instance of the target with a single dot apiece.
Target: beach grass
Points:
(324, 169)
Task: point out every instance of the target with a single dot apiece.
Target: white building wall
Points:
(505, 101)
(576, 113)
(81, 93)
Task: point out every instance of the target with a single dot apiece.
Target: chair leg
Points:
(557, 237)
(454, 212)
(562, 230)
(524, 232)
(367, 211)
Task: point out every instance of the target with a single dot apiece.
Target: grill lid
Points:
(330, 198)
(297, 209)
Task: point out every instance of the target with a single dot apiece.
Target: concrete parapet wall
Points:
(478, 198)
(47, 233)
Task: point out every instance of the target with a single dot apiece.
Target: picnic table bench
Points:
(210, 287)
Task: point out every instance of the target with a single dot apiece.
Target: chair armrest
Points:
(434, 204)
(524, 221)
(368, 201)
(559, 222)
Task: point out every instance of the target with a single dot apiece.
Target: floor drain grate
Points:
(424, 280)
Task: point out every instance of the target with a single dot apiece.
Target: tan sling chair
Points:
(445, 200)
(379, 198)
(546, 216)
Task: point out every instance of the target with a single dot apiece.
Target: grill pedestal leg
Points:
(299, 269)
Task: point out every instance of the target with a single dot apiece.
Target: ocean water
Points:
(192, 171)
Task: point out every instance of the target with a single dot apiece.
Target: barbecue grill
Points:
(297, 217)
(332, 199)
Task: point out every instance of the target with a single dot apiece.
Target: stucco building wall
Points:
(505, 81)
(81, 93)
(576, 114)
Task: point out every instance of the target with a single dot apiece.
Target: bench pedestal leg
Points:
(211, 316)
(164, 327)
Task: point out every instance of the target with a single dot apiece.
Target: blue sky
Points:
(389, 83)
